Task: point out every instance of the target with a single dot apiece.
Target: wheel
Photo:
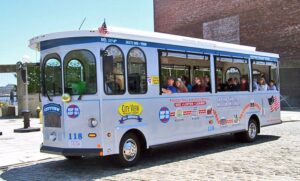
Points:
(251, 134)
(129, 150)
(73, 157)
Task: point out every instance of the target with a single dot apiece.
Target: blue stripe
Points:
(82, 40)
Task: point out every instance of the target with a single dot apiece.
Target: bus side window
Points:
(265, 76)
(137, 76)
(113, 71)
(236, 74)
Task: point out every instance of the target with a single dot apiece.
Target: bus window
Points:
(80, 72)
(267, 80)
(113, 71)
(255, 74)
(52, 75)
(180, 69)
(137, 78)
(236, 74)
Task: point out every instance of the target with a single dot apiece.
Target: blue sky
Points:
(24, 19)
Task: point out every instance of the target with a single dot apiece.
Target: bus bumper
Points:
(72, 151)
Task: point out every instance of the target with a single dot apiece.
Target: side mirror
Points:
(103, 53)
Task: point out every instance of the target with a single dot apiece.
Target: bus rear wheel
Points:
(129, 150)
(251, 134)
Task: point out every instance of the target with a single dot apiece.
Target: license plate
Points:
(75, 143)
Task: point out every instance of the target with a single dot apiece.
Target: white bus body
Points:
(95, 123)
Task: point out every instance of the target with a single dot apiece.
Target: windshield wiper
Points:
(49, 98)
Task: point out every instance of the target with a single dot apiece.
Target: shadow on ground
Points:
(95, 168)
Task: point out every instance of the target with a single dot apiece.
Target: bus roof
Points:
(137, 35)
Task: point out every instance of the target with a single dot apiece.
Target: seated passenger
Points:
(254, 85)
(186, 82)
(170, 87)
(272, 86)
(236, 84)
(181, 88)
(244, 86)
(219, 84)
(207, 83)
(262, 86)
(198, 87)
(232, 85)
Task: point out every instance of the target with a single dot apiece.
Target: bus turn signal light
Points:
(92, 135)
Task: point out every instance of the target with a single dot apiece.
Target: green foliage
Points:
(34, 85)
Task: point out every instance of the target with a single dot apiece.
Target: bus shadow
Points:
(95, 168)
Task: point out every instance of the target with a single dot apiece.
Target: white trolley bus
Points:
(113, 93)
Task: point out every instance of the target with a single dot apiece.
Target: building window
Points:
(80, 72)
(113, 71)
(137, 73)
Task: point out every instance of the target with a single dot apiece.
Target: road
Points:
(274, 156)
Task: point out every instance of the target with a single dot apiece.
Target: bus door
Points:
(81, 107)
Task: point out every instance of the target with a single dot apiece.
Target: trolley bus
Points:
(114, 93)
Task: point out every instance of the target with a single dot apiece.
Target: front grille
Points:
(52, 120)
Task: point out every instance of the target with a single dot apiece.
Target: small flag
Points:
(274, 103)
(103, 28)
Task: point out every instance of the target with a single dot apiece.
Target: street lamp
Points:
(22, 66)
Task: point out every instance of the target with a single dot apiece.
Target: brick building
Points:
(269, 25)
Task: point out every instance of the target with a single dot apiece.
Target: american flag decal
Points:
(103, 29)
(274, 103)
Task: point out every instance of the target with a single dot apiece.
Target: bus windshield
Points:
(79, 69)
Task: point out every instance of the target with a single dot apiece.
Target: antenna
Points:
(82, 23)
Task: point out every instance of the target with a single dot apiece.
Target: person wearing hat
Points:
(170, 87)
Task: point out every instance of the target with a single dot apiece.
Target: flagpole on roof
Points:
(82, 23)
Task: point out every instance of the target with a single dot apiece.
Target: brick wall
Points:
(269, 25)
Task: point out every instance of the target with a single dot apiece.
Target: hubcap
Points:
(252, 130)
(129, 150)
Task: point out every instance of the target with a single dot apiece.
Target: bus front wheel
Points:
(129, 150)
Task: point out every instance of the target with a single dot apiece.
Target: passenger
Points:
(170, 87)
(232, 85)
(198, 87)
(254, 85)
(207, 83)
(181, 88)
(187, 83)
(272, 86)
(219, 84)
(244, 86)
(262, 86)
(236, 84)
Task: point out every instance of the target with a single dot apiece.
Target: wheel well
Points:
(256, 119)
(140, 136)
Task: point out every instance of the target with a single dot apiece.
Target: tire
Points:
(129, 150)
(251, 134)
(73, 157)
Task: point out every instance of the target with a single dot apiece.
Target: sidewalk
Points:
(17, 148)
(290, 115)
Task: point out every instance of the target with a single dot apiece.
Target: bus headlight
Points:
(93, 122)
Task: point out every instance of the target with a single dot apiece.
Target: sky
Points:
(21, 20)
